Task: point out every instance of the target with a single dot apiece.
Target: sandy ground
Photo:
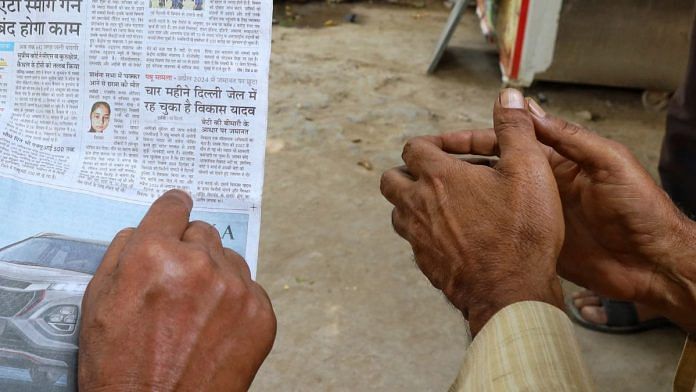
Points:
(354, 312)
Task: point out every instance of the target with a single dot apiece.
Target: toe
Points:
(583, 293)
(587, 301)
(594, 314)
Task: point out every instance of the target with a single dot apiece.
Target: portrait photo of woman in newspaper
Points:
(99, 117)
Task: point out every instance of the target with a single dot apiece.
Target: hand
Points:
(487, 237)
(171, 309)
(624, 237)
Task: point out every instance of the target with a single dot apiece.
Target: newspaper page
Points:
(105, 105)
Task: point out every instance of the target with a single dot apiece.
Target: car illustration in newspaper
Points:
(42, 281)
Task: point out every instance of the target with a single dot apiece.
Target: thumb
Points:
(574, 142)
(514, 130)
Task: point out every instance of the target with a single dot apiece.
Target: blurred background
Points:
(349, 84)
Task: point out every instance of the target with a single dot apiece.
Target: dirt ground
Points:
(354, 312)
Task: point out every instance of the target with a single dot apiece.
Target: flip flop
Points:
(622, 317)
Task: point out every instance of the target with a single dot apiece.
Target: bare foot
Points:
(590, 307)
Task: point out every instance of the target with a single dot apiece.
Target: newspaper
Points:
(105, 105)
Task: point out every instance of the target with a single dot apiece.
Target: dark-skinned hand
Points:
(624, 238)
(486, 236)
(171, 309)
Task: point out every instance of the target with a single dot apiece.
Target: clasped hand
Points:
(559, 199)
(486, 236)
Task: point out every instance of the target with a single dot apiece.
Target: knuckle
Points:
(203, 231)
(571, 129)
(151, 251)
(267, 317)
(408, 148)
(196, 272)
(398, 223)
(513, 120)
(124, 233)
(412, 145)
(199, 263)
(217, 284)
(258, 306)
(233, 256)
(203, 227)
(507, 127)
(384, 182)
(237, 290)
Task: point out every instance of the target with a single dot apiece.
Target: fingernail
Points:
(511, 98)
(535, 108)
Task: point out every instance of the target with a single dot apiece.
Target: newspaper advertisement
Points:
(104, 106)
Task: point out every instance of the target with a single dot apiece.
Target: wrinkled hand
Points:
(624, 237)
(487, 237)
(171, 309)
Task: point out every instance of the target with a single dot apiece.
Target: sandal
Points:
(622, 317)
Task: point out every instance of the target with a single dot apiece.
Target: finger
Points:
(396, 183)
(424, 154)
(202, 233)
(113, 252)
(574, 142)
(515, 130)
(168, 215)
(477, 142)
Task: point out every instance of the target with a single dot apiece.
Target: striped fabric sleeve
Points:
(686, 371)
(527, 346)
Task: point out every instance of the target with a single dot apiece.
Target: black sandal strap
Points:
(620, 313)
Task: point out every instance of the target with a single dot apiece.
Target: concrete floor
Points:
(354, 312)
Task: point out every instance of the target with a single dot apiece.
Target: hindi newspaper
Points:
(105, 105)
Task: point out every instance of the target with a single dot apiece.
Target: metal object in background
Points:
(455, 16)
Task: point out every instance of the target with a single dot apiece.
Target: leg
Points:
(678, 158)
